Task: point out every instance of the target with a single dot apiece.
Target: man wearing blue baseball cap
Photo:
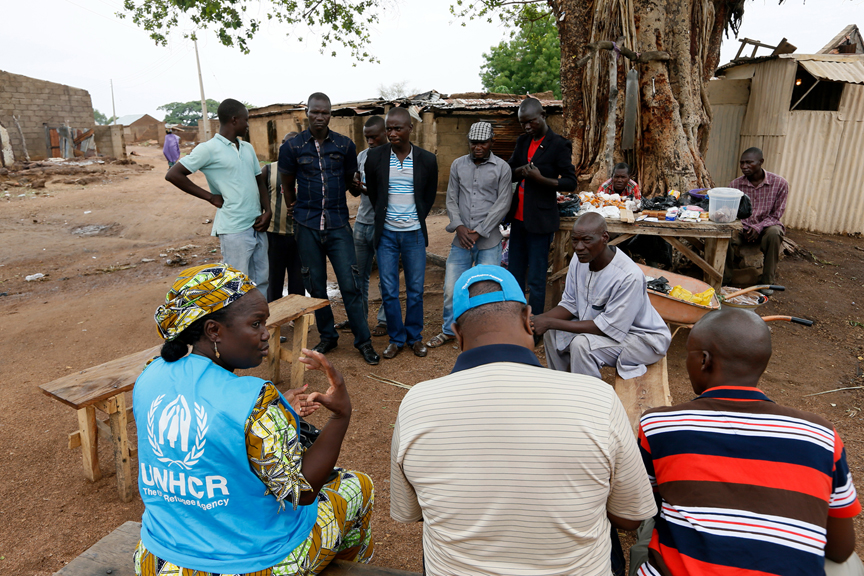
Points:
(519, 469)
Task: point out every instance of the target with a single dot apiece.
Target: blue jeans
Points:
(315, 247)
(247, 252)
(460, 260)
(364, 247)
(411, 246)
(529, 260)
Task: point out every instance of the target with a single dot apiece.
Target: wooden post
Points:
(647, 391)
(89, 443)
(301, 334)
(274, 354)
(117, 416)
(715, 254)
(559, 260)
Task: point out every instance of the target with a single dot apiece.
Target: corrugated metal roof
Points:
(851, 72)
(770, 95)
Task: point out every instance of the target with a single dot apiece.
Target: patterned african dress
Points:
(343, 528)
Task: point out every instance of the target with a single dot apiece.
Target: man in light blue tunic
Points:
(605, 317)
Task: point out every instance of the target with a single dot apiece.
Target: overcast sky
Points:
(81, 43)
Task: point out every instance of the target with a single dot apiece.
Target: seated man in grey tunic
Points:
(604, 317)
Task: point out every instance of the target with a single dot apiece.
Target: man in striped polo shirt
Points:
(514, 469)
(748, 487)
(401, 180)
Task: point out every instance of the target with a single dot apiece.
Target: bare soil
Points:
(97, 300)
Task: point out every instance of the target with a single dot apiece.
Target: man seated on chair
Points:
(747, 486)
(604, 317)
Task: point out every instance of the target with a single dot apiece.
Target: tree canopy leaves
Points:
(529, 63)
(101, 118)
(236, 22)
(188, 113)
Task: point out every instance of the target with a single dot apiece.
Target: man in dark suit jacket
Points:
(542, 165)
(401, 180)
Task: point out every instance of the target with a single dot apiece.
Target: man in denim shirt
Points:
(322, 163)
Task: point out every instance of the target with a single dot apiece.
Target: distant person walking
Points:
(282, 252)
(237, 190)
(171, 148)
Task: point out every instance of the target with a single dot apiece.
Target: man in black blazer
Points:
(542, 165)
(401, 180)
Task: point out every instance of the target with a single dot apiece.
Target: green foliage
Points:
(188, 113)
(235, 24)
(530, 62)
(101, 119)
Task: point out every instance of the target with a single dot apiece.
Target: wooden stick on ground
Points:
(388, 381)
(835, 390)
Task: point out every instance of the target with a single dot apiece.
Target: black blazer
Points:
(377, 170)
(554, 160)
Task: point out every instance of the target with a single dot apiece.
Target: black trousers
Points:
(283, 257)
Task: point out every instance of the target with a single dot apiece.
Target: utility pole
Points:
(205, 118)
(113, 108)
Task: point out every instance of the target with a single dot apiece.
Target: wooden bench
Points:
(297, 309)
(113, 555)
(103, 387)
(647, 391)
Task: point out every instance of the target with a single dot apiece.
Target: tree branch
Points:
(635, 57)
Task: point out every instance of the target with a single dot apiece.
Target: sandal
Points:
(440, 340)
(380, 329)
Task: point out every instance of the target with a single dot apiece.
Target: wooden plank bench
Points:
(103, 387)
(113, 555)
(647, 391)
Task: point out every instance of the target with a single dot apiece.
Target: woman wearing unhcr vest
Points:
(227, 484)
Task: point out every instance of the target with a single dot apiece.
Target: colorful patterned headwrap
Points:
(197, 292)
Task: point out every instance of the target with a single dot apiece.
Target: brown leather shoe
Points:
(391, 351)
(419, 349)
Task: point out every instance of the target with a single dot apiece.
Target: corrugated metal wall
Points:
(722, 157)
(770, 93)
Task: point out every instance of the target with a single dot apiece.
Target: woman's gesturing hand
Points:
(336, 398)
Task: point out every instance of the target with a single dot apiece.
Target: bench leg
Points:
(274, 355)
(650, 390)
(89, 439)
(122, 460)
(301, 335)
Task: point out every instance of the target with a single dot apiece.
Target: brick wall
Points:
(110, 141)
(35, 102)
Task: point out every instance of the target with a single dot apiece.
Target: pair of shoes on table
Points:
(369, 354)
(391, 351)
(344, 326)
(419, 349)
(325, 346)
(440, 340)
(379, 330)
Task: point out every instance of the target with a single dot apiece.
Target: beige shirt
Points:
(512, 468)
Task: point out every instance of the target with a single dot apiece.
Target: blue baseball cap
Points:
(510, 290)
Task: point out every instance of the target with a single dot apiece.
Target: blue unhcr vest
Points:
(204, 507)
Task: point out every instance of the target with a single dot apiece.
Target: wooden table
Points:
(713, 237)
(104, 386)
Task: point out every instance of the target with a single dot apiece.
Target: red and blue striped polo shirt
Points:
(747, 486)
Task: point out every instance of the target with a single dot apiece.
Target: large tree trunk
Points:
(674, 115)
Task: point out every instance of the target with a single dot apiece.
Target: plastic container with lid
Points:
(723, 204)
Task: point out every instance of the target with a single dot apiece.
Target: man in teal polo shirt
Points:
(237, 190)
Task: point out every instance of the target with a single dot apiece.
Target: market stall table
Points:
(712, 236)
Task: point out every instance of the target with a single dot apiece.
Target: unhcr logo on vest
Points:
(171, 432)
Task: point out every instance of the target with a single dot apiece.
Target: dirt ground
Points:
(97, 300)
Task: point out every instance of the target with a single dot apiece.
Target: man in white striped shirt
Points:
(514, 469)
(401, 181)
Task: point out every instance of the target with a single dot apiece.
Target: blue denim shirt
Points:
(319, 197)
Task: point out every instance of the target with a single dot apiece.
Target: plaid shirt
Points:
(769, 201)
(632, 189)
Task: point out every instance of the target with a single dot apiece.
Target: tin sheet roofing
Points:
(851, 70)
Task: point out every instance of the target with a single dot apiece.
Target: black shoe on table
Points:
(325, 346)
(369, 354)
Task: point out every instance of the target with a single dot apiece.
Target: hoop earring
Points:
(216, 348)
